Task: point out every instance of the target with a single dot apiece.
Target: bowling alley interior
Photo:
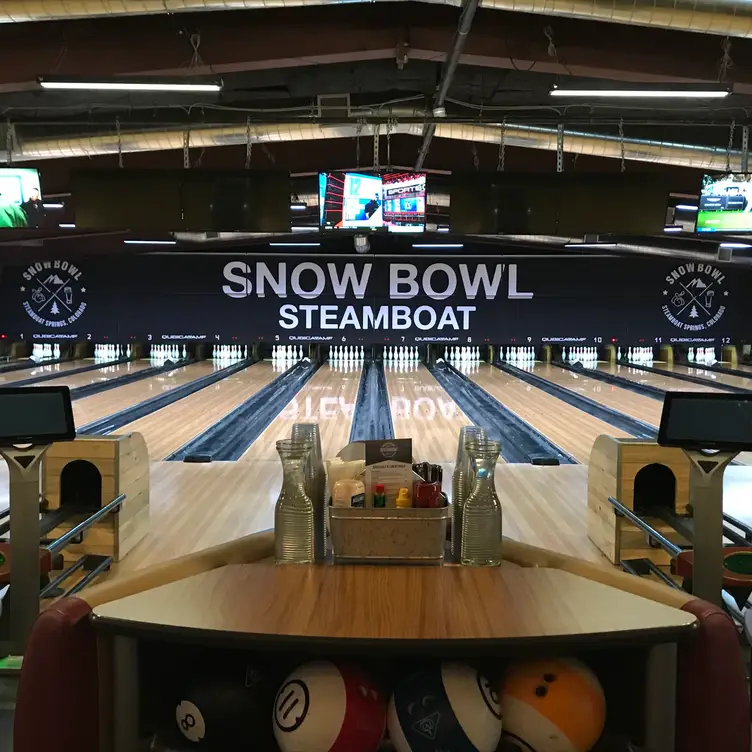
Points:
(375, 376)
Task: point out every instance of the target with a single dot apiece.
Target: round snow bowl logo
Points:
(54, 295)
(388, 450)
(694, 296)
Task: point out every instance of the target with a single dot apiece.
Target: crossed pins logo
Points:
(54, 293)
(695, 297)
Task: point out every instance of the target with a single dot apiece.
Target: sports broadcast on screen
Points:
(725, 203)
(353, 201)
(20, 198)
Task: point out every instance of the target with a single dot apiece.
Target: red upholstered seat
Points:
(57, 707)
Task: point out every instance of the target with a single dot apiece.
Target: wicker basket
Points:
(388, 536)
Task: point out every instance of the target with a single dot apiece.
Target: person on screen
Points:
(11, 215)
(33, 208)
(372, 206)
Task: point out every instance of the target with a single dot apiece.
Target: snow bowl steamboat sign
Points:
(54, 295)
(694, 298)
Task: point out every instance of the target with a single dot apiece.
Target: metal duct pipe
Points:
(729, 18)
(447, 75)
(524, 136)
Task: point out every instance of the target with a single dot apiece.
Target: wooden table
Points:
(431, 610)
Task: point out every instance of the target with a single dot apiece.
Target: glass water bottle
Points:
(293, 513)
(314, 475)
(481, 516)
(463, 481)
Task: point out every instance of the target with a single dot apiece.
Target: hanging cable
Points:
(358, 132)
(196, 59)
(726, 62)
(187, 149)
(745, 149)
(560, 148)
(10, 134)
(248, 144)
(376, 138)
(501, 164)
(621, 145)
(730, 146)
(119, 142)
(476, 158)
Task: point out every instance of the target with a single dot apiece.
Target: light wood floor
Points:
(571, 429)
(653, 379)
(173, 426)
(29, 373)
(327, 399)
(114, 400)
(422, 410)
(713, 377)
(100, 375)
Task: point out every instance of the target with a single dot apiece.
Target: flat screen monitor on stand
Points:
(711, 428)
(31, 418)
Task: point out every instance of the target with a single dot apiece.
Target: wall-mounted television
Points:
(395, 202)
(725, 203)
(20, 198)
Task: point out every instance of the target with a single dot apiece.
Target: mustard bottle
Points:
(403, 499)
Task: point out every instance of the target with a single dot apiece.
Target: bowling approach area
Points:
(228, 644)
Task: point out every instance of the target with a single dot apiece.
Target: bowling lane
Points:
(634, 405)
(120, 398)
(30, 373)
(100, 376)
(720, 379)
(571, 429)
(173, 426)
(423, 411)
(653, 379)
(327, 399)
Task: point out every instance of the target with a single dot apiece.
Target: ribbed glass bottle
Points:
(293, 512)
(314, 475)
(481, 516)
(462, 483)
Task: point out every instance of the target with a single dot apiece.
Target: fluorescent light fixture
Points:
(298, 206)
(673, 228)
(67, 226)
(646, 93)
(47, 205)
(735, 245)
(686, 207)
(590, 245)
(438, 245)
(442, 228)
(150, 242)
(294, 245)
(304, 228)
(137, 85)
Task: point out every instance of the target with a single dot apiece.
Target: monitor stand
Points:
(706, 498)
(23, 464)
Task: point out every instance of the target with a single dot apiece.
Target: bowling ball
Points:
(223, 707)
(552, 706)
(447, 706)
(328, 707)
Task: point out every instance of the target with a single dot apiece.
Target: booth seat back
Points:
(58, 694)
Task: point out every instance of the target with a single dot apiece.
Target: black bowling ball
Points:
(222, 707)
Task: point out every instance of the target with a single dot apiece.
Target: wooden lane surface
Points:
(638, 406)
(120, 398)
(571, 429)
(653, 379)
(100, 376)
(173, 426)
(8, 379)
(714, 378)
(423, 411)
(194, 506)
(327, 399)
(418, 604)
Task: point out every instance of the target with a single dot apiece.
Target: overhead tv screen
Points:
(725, 203)
(361, 201)
(20, 198)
